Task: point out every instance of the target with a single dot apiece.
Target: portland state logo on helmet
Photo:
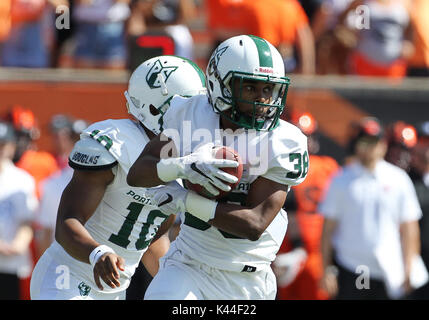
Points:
(154, 83)
(159, 74)
(242, 59)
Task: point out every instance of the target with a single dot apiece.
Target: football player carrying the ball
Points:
(225, 246)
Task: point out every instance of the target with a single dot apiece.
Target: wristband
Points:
(97, 253)
(167, 169)
(200, 207)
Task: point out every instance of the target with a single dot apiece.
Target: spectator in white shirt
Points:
(371, 229)
(17, 205)
(65, 133)
(52, 190)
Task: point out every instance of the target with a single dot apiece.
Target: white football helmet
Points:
(154, 83)
(246, 57)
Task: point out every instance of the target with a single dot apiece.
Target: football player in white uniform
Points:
(104, 226)
(225, 247)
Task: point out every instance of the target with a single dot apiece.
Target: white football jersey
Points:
(279, 155)
(124, 220)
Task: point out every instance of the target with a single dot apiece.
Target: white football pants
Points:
(182, 278)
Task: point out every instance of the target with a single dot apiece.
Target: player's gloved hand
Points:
(173, 199)
(288, 265)
(199, 167)
(170, 198)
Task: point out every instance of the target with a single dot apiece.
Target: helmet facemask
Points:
(240, 60)
(265, 121)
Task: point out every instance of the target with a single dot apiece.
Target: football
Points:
(221, 152)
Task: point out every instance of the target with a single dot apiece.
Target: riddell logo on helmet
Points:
(266, 70)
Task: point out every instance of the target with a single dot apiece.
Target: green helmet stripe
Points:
(264, 52)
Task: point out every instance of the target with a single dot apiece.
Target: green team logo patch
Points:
(84, 289)
(157, 70)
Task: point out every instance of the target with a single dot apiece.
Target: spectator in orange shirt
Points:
(5, 20)
(282, 22)
(418, 64)
(285, 24)
(299, 262)
(225, 19)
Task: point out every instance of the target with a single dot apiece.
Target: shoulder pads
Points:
(88, 154)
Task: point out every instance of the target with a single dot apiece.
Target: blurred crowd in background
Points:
(31, 183)
(360, 37)
(362, 213)
(386, 38)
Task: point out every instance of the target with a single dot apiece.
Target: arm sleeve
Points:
(289, 167)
